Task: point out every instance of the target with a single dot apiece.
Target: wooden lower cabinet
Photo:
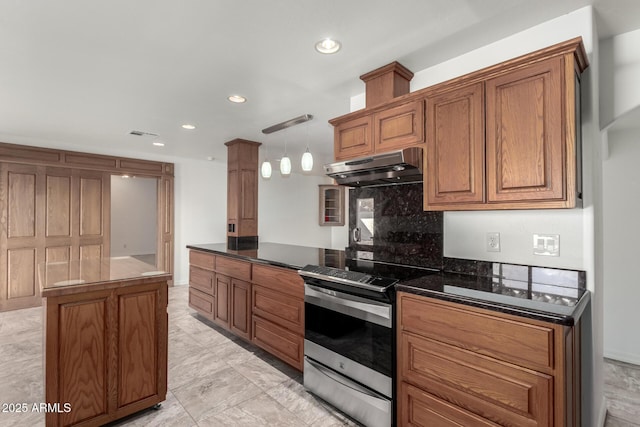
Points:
(461, 365)
(105, 352)
(260, 303)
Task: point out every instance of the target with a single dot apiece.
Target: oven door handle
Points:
(350, 305)
(342, 380)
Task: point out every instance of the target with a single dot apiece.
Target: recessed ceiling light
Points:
(328, 46)
(238, 99)
(188, 126)
(158, 143)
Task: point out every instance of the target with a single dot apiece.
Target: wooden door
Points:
(222, 289)
(353, 138)
(399, 127)
(240, 306)
(455, 148)
(525, 143)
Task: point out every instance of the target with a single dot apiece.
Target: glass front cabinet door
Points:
(331, 205)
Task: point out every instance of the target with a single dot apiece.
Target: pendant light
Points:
(285, 162)
(265, 170)
(307, 161)
(307, 158)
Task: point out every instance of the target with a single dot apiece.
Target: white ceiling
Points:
(82, 74)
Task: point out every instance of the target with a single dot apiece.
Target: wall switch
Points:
(493, 241)
(546, 244)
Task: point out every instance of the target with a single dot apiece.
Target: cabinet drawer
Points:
(521, 343)
(417, 408)
(496, 390)
(399, 127)
(202, 260)
(201, 302)
(201, 280)
(278, 341)
(279, 279)
(234, 268)
(279, 308)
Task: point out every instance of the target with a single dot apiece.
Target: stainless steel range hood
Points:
(395, 167)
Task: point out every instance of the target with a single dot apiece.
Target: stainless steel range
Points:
(349, 342)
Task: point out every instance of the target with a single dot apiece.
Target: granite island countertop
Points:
(278, 254)
(548, 294)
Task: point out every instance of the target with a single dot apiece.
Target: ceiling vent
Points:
(141, 133)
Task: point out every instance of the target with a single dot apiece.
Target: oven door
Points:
(351, 335)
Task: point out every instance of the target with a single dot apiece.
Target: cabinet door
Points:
(222, 287)
(240, 306)
(141, 324)
(455, 148)
(353, 138)
(399, 127)
(78, 348)
(202, 280)
(526, 153)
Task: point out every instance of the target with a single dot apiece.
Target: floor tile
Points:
(170, 414)
(258, 411)
(215, 393)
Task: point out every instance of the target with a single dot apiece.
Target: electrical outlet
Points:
(493, 241)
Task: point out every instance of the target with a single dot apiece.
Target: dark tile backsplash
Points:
(403, 232)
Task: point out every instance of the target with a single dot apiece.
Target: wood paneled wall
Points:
(55, 206)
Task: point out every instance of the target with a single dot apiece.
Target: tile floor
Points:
(218, 380)
(214, 378)
(622, 389)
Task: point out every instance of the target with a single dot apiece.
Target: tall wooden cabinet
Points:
(242, 193)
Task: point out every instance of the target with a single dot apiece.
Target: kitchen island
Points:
(105, 339)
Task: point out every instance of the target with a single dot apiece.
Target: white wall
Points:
(621, 182)
(200, 208)
(133, 215)
(464, 232)
(288, 210)
(620, 64)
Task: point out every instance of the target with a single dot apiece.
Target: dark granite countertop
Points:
(279, 254)
(551, 295)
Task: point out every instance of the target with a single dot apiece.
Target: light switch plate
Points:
(546, 244)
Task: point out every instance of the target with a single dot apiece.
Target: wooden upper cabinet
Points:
(353, 138)
(508, 137)
(455, 148)
(526, 149)
(399, 127)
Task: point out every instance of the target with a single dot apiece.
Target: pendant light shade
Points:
(265, 170)
(307, 161)
(285, 165)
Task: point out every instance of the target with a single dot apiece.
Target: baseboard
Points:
(602, 414)
(634, 359)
